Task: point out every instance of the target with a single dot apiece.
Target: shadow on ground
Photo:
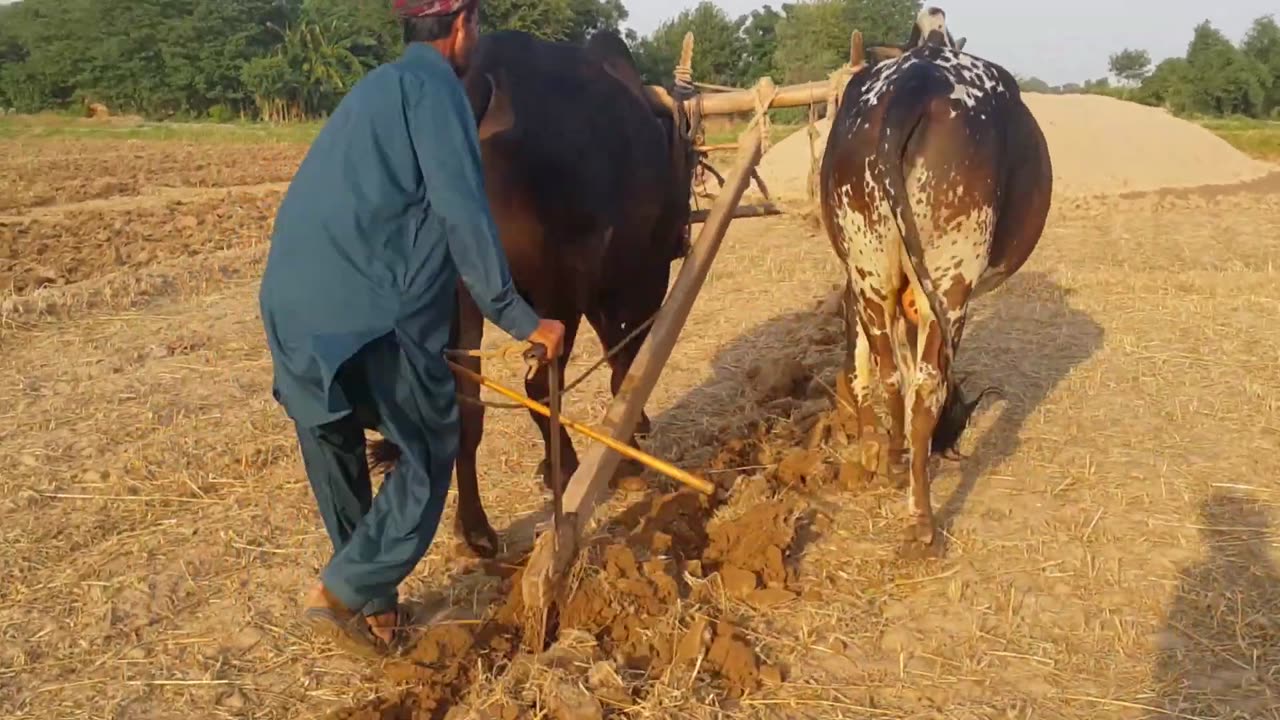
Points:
(1024, 339)
(1219, 652)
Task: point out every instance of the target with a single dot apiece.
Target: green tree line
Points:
(1214, 78)
(797, 42)
(276, 60)
(286, 60)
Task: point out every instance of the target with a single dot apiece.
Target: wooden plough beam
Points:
(554, 551)
(624, 412)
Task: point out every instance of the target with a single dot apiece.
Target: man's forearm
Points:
(508, 311)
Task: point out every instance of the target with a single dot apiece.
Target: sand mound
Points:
(785, 167)
(1103, 145)
(1099, 145)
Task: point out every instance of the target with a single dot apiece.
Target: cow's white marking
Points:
(974, 81)
(930, 20)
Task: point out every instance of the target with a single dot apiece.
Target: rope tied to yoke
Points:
(684, 77)
(688, 120)
(765, 93)
(690, 133)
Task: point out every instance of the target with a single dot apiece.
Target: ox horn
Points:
(659, 98)
(857, 50)
(499, 115)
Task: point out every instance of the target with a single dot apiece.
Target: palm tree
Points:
(308, 72)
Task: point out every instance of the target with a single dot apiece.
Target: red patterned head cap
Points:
(427, 8)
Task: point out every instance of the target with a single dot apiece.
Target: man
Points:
(384, 215)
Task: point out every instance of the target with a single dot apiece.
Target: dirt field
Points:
(1111, 536)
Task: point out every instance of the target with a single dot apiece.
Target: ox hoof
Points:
(919, 541)
(566, 472)
(627, 468)
(899, 477)
(870, 452)
(480, 539)
(854, 477)
(885, 481)
(643, 427)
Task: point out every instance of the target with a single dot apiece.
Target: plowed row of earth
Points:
(1110, 548)
(86, 244)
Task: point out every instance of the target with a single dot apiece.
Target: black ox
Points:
(588, 178)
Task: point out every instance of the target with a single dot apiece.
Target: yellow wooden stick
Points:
(649, 461)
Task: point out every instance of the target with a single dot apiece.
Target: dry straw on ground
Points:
(1110, 536)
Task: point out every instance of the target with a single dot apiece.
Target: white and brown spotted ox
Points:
(935, 185)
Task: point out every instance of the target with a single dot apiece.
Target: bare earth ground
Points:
(1111, 544)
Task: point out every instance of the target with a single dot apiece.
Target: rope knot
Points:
(765, 93)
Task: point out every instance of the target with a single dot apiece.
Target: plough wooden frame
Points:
(554, 551)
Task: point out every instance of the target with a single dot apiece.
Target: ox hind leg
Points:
(876, 381)
(927, 395)
(853, 409)
(937, 411)
(858, 417)
(471, 523)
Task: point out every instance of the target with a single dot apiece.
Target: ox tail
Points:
(902, 118)
(906, 110)
(383, 456)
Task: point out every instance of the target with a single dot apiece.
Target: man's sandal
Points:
(399, 629)
(351, 634)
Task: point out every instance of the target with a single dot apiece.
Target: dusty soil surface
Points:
(38, 174)
(1099, 146)
(1110, 547)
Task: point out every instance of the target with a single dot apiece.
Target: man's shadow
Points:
(1219, 652)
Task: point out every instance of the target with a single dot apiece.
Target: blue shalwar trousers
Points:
(386, 213)
(379, 540)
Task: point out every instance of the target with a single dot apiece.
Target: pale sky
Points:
(1059, 41)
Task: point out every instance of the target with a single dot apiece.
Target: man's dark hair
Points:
(431, 29)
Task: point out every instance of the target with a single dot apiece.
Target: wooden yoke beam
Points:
(742, 101)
